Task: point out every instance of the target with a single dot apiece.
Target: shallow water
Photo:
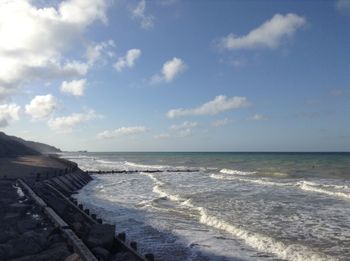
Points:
(233, 206)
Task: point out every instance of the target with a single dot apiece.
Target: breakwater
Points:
(90, 238)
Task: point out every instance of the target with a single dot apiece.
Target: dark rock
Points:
(24, 225)
(101, 253)
(12, 217)
(58, 252)
(101, 235)
(29, 243)
(6, 236)
(73, 257)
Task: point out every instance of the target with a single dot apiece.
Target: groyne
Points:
(138, 171)
(83, 230)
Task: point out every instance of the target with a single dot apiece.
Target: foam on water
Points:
(319, 188)
(237, 172)
(295, 252)
(256, 181)
(307, 186)
(265, 214)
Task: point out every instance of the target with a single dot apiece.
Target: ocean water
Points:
(230, 206)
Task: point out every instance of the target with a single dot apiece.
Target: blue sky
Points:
(172, 75)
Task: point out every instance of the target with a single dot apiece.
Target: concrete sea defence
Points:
(84, 232)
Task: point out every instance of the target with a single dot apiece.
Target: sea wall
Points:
(79, 225)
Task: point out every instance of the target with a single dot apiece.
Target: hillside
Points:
(38, 146)
(11, 146)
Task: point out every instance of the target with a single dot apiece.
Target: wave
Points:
(237, 172)
(303, 185)
(319, 188)
(294, 252)
(144, 166)
(256, 181)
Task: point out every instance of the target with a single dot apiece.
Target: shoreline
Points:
(54, 180)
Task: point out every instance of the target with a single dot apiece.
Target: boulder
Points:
(101, 235)
(101, 253)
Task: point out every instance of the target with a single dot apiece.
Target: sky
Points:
(176, 75)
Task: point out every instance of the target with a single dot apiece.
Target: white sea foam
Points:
(249, 180)
(237, 172)
(294, 252)
(260, 242)
(318, 188)
(145, 167)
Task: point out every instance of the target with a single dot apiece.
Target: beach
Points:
(41, 221)
(224, 206)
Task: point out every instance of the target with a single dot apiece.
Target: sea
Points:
(224, 206)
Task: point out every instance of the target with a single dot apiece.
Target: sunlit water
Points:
(233, 206)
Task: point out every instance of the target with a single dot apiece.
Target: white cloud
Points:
(184, 129)
(181, 130)
(96, 51)
(258, 117)
(107, 134)
(35, 39)
(222, 122)
(185, 125)
(75, 87)
(170, 70)
(67, 123)
(128, 60)
(8, 112)
(337, 92)
(162, 136)
(41, 107)
(343, 6)
(220, 104)
(268, 35)
(139, 12)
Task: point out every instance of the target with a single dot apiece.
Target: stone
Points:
(29, 243)
(26, 224)
(101, 235)
(101, 253)
(58, 252)
(20, 208)
(6, 236)
(73, 257)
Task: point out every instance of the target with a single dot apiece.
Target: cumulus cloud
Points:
(184, 125)
(139, 13)
(8, 112)
(67, 123)
(258, 117)
(123, 131)
(41, 107)
(75, 87)
(162, 136)
(35, 39)
(95, 52)
(128, 60)
(220, 104)
(181, 130)
(337, 92)
(343, 6)
(268, 35)
(222, 122)
(184, 129)
(170, 70)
